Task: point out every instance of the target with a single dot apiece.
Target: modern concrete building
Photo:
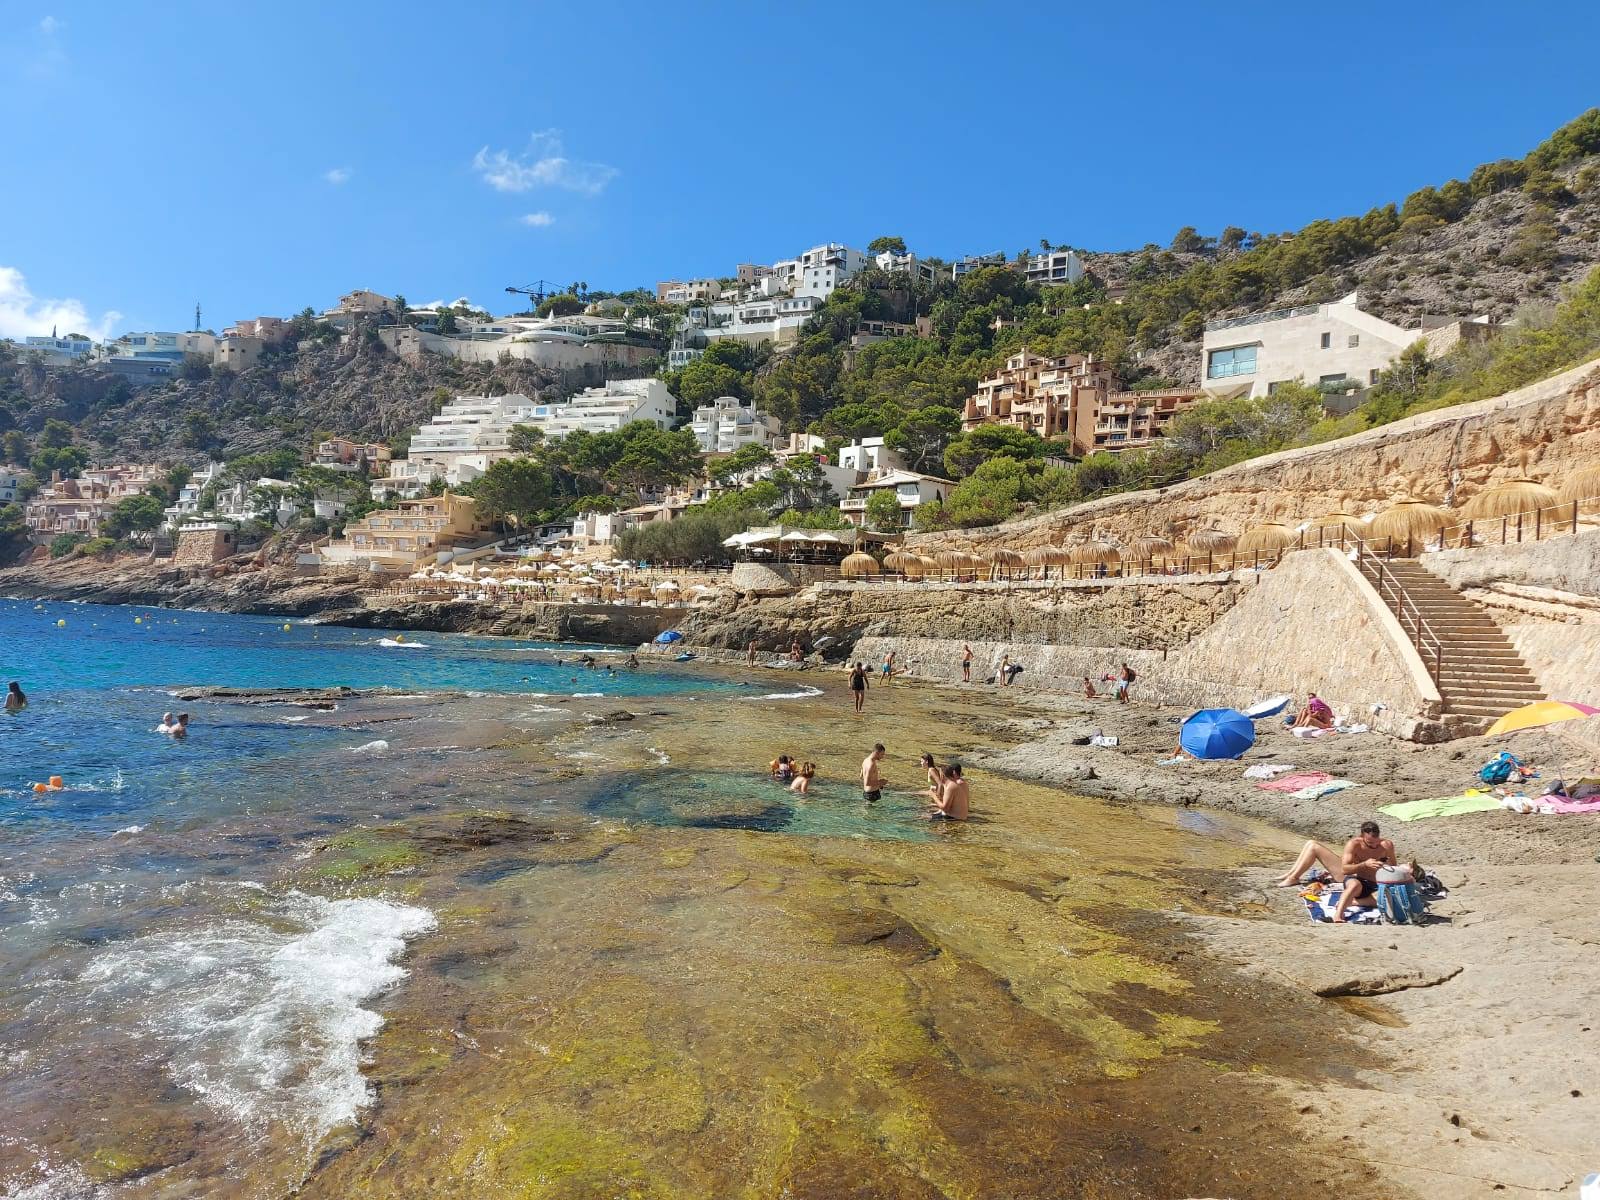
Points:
(869, 454)
(163, 347)
(79, 505)
(1316, 344)
(359, 458)
(690, 291)
(474, 430)
(270, 330)
(910, 488)
(239, 353)
(728, 424)
(976, 262)
(906, 264)
(758, 322)
(1056, 267)
(53, 351)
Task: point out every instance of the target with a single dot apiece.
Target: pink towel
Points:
(1293, 783)
(1560, 805)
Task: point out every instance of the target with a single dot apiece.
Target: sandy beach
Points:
(1474, 1074)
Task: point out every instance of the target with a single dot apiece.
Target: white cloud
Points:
(22, 314)
(544, 165)
(338, 176)
(537, 220)
(458, 302)
(49, 26)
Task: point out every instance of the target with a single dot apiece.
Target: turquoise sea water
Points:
(163, 929)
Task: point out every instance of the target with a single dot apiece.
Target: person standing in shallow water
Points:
(858, 685)
(871, 777)
(16, 701)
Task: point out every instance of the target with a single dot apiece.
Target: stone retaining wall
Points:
(1309, 625)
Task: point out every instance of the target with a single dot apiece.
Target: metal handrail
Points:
(1428, 644)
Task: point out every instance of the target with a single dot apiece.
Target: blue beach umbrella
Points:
(667, 638)
(1217, 733)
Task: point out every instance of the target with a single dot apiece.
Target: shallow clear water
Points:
(514, 928)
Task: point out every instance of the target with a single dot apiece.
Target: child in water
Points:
(802, 781)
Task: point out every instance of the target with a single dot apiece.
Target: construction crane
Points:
(542, 289)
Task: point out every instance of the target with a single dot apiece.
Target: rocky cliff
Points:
(1443, 456)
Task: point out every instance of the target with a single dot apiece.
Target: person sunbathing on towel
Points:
(1315, 715)
(1367, 849)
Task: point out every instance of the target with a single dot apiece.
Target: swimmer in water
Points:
(16, 701)
(167, 724)
(181, 729)
(802, 781)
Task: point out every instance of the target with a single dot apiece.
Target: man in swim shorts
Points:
(871, 777)
(1363, 855)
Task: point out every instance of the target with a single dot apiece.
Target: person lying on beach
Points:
(15, 700)
(802, 781)
(782, 768)
(950, 804)
(871, 777)
(1315, 715)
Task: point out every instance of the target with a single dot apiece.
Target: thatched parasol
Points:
(1583, 484)
(638, 592)
(918, 565)
(1409, 521)
(1096, 550)
(1210, 541)
(1509, 499)
(1007, 558)
(1267, 538)
(898, 560)
(1152, 546)
(858, 566)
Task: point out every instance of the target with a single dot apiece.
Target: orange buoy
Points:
(41, 787)
(55, 783)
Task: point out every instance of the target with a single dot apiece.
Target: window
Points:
(1327, 340)
(1355, 340)
(1224, 364)
(1372, 376)
(1339, 378)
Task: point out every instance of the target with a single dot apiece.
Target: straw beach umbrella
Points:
(1582, 484)
(1006, 562)
(859, 566)
(1411, 521)
(1096, 552)
(1331, 528)
(1267, 538)
(1211, 541)
(898, 560)
(1514, 500)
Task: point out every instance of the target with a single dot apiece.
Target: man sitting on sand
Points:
(871, 777)
(1315, 715)
(953, 798)
(1363, 855)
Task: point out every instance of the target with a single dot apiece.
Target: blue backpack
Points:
(1499, 768)
(1399, 903)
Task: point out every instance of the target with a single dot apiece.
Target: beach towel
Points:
(1442, 806)
(1267, 770)
(1326, 788)
(1551, 805)
(1321, 908)
(1293, 783)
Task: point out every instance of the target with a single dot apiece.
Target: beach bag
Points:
(1498, 769)
(1400, 903)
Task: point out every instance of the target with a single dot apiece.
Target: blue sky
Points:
(259, 159)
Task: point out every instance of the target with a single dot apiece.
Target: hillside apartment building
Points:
(79, 505)
(411, 534)
(1071, 397)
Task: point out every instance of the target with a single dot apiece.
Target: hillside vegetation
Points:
(1514, 239)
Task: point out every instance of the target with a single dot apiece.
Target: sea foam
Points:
(265, 1021)
(803, 694)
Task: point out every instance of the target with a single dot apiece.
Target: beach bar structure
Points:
(789, 543)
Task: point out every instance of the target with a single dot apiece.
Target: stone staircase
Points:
(1481, 676)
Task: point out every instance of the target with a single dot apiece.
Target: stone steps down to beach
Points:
(1481, 676)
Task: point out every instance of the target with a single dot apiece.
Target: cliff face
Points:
(1435, 455)
(1104, 614)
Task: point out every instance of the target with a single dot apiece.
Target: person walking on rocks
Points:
(858, 685)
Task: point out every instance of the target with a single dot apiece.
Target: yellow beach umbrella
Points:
(1542, 712)
(1513, 498)
(1267, 538)
(1582, 484)
(1410, 520)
